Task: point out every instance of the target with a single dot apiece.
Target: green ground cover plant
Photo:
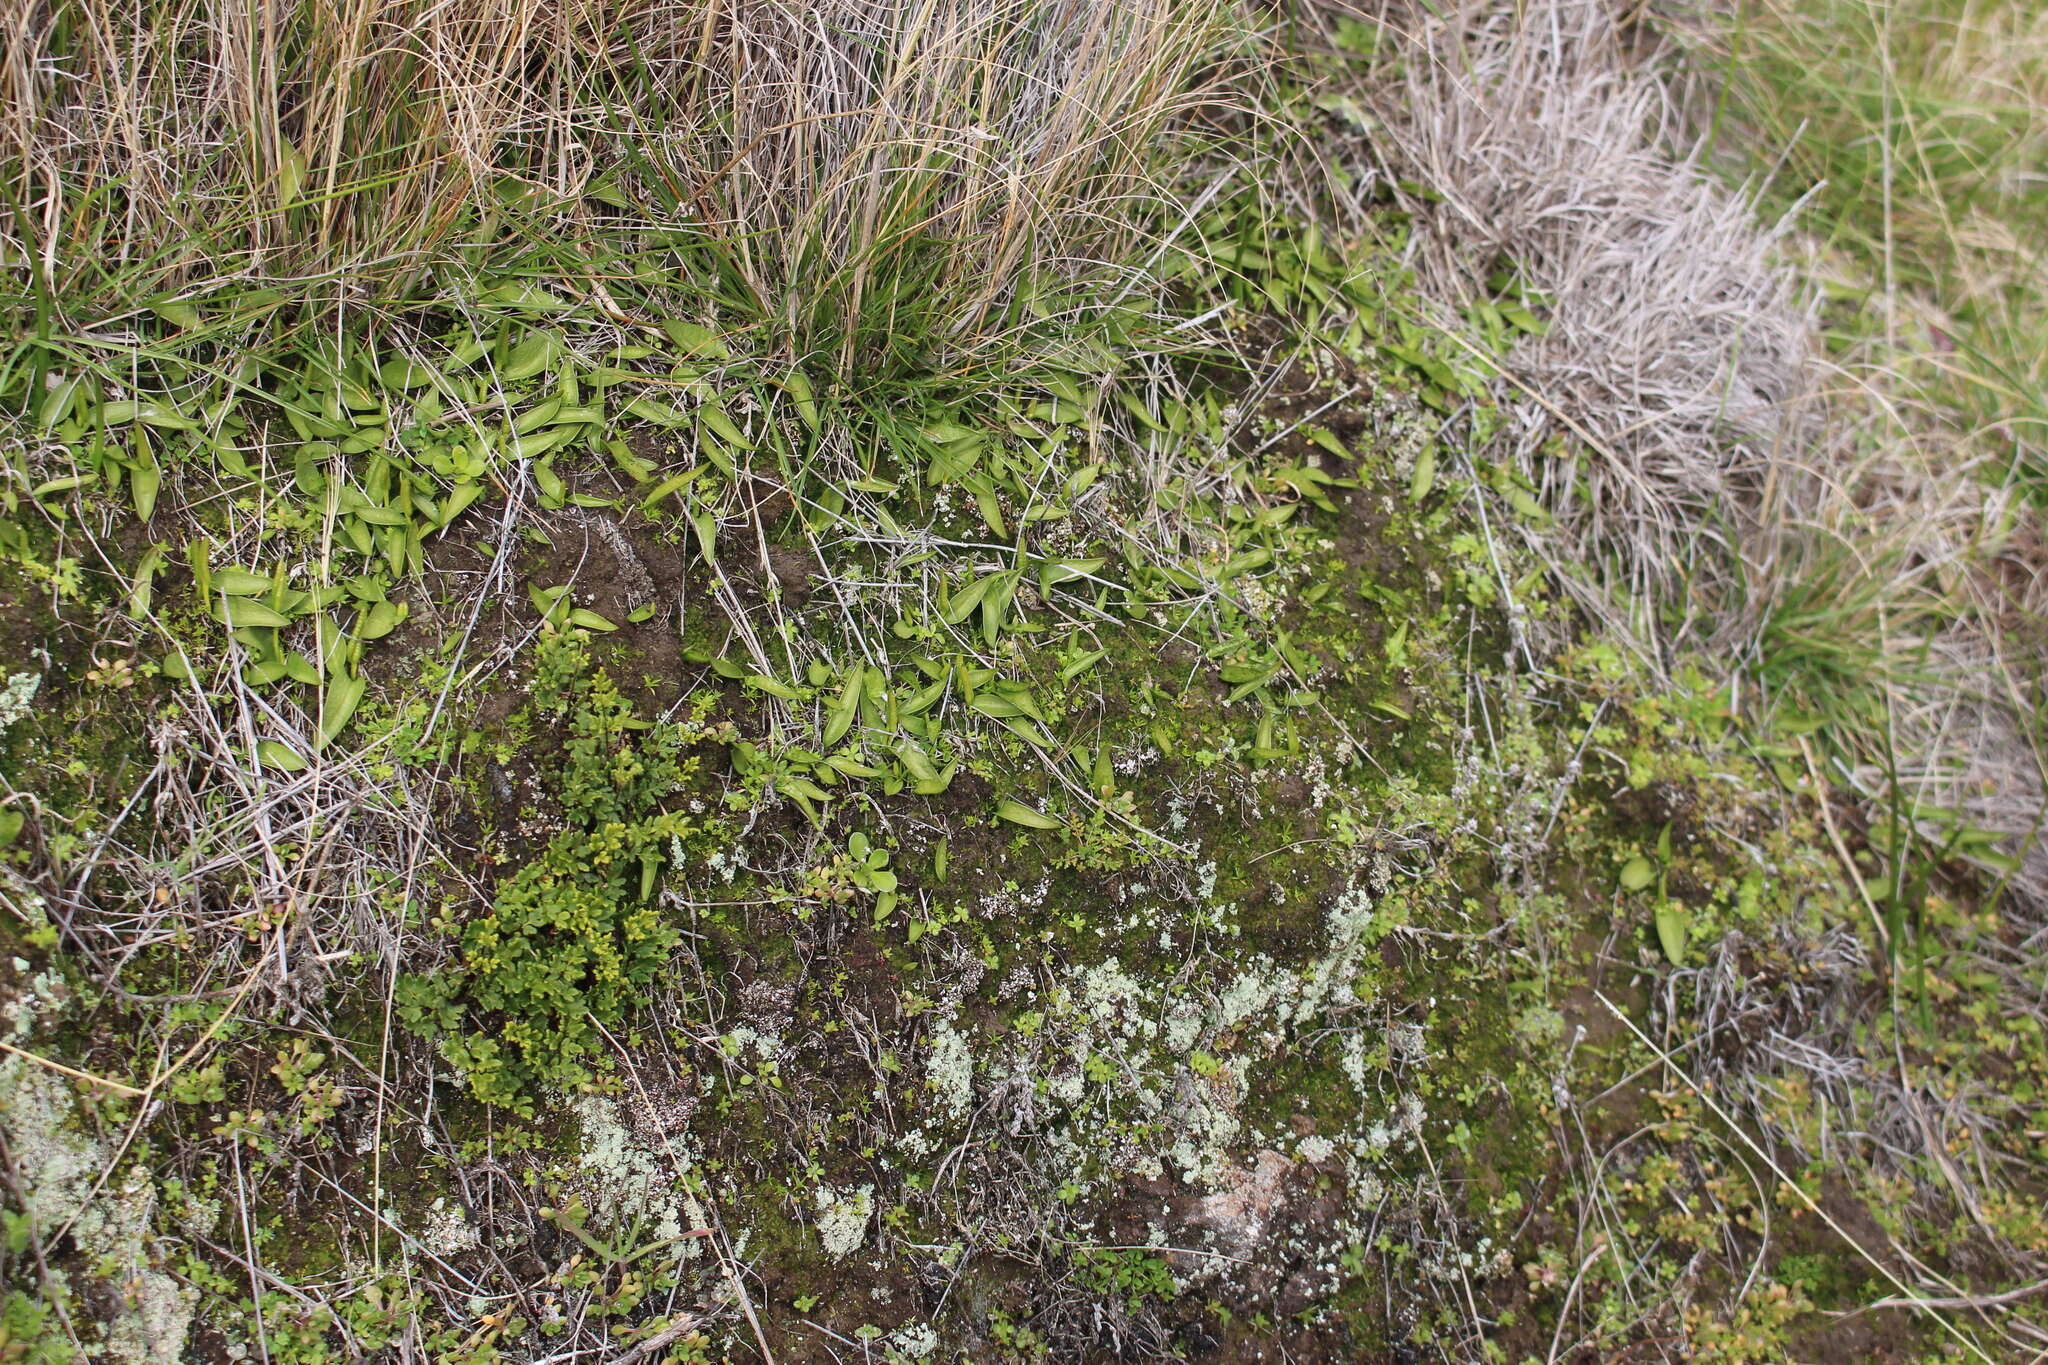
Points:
(957, 681)
(570, 935)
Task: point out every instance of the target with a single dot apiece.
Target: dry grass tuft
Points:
(852, 172)
(963, 151)
(170, 141)
(1676, 348)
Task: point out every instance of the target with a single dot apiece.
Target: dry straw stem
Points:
(113, 1087)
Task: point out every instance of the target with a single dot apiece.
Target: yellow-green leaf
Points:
(537, 416)
(178, 313)
(693, 340)
(143, 482)
(660, 414)
(531, 356)
(278, 756)
(761, 682)
(459, 499)
(722, 426)
(915, 761)
(291, 172)
(406, 373)
(551, 485)
(1018, 813)
(241, 582)
(843, 713)
(531, 447)
(244, 613)
(667, 487)
(1424, 477)
(338, 701)
(378, 620)
(380, 516)
(144, 581)
(799, 386)
(1671, 927)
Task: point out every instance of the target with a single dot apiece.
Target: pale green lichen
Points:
(1315, 1149)
(843, 1217)
(17, 697)
(913, 1341)
(59, 1167)
(449, 1231)
(623, 1181)
(950, 1070)
(1178, 1057)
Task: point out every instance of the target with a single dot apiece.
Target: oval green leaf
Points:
(1671, 927)
(278, 756)
(1019, 814)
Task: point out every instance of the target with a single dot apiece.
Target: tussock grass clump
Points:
(151, 145)
(1912, 136)
(875, 179)
(923, 174)
(1673, 355)
(1731, 464)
